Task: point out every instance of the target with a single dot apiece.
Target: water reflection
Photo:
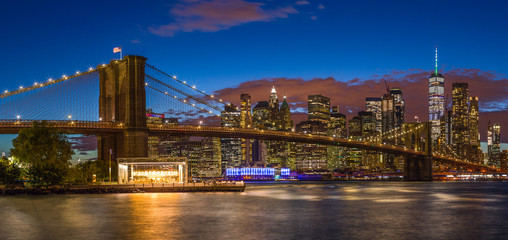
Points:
(268, 211)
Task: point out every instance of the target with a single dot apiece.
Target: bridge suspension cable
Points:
(212, 97)
(181, 100)
(50, 81)
(181, 92)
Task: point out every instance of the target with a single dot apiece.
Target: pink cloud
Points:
(216, 15)
(491, 88)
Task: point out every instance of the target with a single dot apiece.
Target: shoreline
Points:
(107, 189)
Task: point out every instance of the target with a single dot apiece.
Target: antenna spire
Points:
(436, 60)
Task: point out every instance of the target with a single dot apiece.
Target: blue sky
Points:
(347, 39)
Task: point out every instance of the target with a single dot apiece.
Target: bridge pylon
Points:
(123, 99)
(419, 168)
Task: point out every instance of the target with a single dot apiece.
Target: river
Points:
(343, 210)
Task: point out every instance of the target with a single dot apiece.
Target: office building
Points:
(460, 119)
(319, 108)
(436, 102)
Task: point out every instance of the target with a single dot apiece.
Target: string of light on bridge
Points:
(193, 87)
(181, 100)
(50, 81)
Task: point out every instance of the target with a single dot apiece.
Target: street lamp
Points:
(69, 117)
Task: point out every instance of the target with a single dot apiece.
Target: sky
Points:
(343, 49)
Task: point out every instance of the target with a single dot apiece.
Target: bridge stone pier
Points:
(418, 167)
(123, 99)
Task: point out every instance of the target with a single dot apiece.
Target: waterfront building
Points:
(436, 102)
(460, 119)
(373, 104)
(319, 108)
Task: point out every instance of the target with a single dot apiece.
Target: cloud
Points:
(321, 6)
(313, 17)
(302, 2)
(216, 15)
(83, 143)
(349, 95)
(135, 41)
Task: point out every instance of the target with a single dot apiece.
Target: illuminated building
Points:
(337, 124)
(503, 160)
(361, 127)
(398, 106)
(245, 111)
(494, 144)
(261, 116)
(152, 170)
(311, 156)
(354, 156)
(374, 105)
(246, 122)
(261, 120)
(258, 173)
(286, 124)
(202, 154)
(388, 113)
(436, 101)
(319, 108)
(474, 131)
(154, 141)
(460, 119)
(273, 106)
(231, 148)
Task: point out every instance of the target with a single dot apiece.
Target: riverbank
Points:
(131, 188)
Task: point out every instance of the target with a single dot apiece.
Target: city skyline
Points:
(345, 69)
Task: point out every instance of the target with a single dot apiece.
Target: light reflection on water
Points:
(367, 210)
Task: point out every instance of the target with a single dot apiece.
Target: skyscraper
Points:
(231, 148)
(436, 101)
(398, 105)
(245, 111)
(285, 116)
(337, 124)
(273, 105)
(460, 118)
(494, 144)
(474, 131)
(388, 113)
(373, 105)
(319, 108)
(246, 122)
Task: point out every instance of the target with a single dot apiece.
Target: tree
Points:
(46, 152)
(10, 172)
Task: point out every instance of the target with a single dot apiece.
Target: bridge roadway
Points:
(108, 128)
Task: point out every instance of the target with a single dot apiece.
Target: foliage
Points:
(46, 152)
(82, 173)
(10, 172)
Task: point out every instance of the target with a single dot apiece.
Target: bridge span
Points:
(108, 128)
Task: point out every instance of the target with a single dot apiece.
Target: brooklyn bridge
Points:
(111, 100)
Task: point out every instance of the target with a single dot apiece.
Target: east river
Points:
(343, 210)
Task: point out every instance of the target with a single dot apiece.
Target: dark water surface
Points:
(367, 210)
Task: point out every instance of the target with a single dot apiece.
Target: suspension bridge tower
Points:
(123, 99)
